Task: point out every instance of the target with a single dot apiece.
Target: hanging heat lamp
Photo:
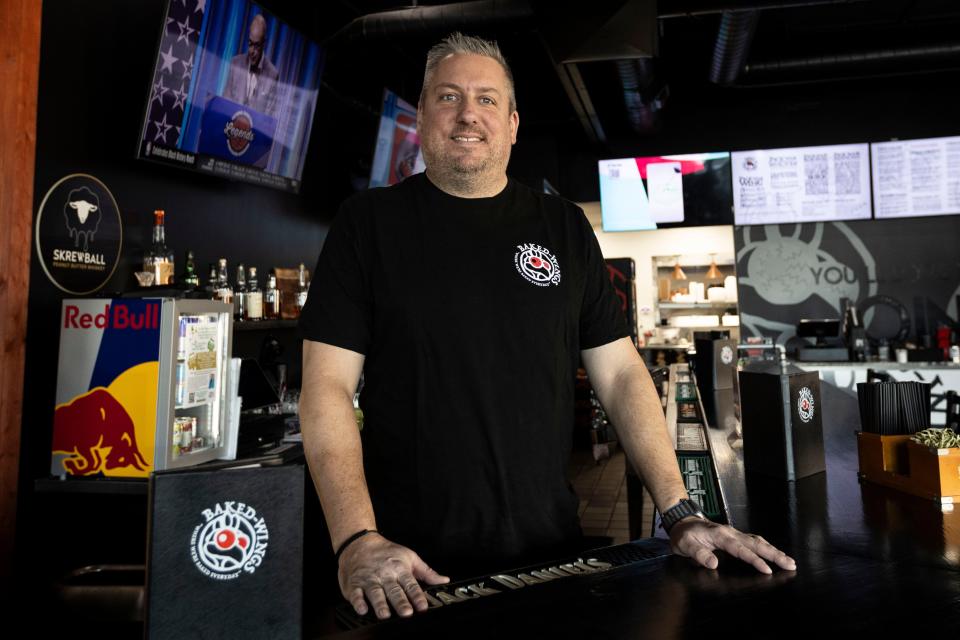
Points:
(678, 273)
(714, 273)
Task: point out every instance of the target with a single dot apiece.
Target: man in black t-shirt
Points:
(467, 301)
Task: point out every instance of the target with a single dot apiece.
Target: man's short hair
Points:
(458, 44)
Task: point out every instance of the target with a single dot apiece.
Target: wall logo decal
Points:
(79, 234)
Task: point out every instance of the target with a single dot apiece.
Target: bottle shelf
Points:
(698, 305)
(261, 325)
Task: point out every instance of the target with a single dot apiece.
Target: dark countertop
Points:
(869, 560)
(880, 365)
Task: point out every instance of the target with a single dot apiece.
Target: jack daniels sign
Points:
(588, 563)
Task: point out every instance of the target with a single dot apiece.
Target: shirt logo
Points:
(537, 265)
(232, 539)
(805, 404)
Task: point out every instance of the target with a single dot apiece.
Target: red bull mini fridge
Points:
(141, 385)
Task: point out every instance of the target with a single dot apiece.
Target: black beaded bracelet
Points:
(346, 543)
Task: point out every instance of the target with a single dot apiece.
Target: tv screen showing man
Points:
(234, 91)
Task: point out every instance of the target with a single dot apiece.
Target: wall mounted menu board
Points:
(638, 194)
(801, 184)
(916, 177)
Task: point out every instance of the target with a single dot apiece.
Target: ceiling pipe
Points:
(423, 21)
(750, 6)
(860, 58)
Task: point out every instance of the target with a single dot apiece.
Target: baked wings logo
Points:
(805, 404)
(537, 265)
(726, 354)
(233, 538)
(239, 133)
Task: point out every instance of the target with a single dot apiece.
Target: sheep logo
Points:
(82, 213)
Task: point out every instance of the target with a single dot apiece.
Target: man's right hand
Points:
(376, 570)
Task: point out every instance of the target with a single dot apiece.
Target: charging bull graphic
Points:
(82, 213)
(97, 434)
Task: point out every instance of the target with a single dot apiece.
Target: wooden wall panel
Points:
(19, 70)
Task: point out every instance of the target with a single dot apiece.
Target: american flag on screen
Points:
(174, 71)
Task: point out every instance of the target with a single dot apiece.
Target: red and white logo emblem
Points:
(726, 354)
(232, 539)
(239, 133)
(805, 405)
(537, 265)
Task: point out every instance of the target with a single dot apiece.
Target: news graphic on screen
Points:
(233, 94)
(397, 154)
(640, 194)
(801, 184)
(916, 177)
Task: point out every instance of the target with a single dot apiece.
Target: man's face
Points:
(255, 44)
(464, 118)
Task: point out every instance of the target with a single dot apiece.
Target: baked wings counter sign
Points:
(537, 265)
(79, 234)
(805, 405)
(232, 538)
(726, 354)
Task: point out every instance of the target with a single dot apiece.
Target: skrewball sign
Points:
(79, 234)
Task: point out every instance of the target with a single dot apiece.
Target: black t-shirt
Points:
(471, 314)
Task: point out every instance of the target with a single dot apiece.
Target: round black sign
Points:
(79, 234)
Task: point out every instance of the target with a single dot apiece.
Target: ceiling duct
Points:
(733, 45)
(426, 21)
(638, 79)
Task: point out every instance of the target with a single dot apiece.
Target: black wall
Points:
(789, 272)
(97, 58)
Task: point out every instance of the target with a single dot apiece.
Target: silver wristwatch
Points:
(683, 509)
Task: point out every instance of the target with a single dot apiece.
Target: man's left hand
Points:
(698, 539)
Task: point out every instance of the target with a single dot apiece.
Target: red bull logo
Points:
(117, 317)
(96, 434)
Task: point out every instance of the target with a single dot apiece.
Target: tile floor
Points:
(602, 488)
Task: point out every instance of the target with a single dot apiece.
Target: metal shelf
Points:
(261, 325)
(697, 305)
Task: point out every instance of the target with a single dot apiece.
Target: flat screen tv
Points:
(801, 184)
(916, 177)
(397, 154)
(638, 194)
(233, 93)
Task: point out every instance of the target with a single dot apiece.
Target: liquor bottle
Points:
(253, 299)
(224, 292)
(240, 293)
(271, 299)
(302, 288)
(158, 259)
(212, 286)
(190, 280)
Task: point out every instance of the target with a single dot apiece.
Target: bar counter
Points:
(869, 559)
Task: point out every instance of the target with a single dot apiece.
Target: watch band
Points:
(683, 509)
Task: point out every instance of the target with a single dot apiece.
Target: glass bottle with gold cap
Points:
(158, 259)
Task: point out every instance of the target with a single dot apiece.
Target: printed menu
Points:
(916, 177)
(801, 184)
